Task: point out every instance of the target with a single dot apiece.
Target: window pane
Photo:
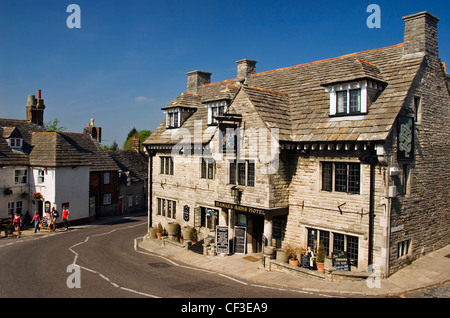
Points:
(338, 242)
(232, 172)
(203, 168)
(355, 101)
(210, 169)
(341, 177)
(353, 177)
(174, 209)
(171, 165)
(251, 174)
(341, 102)
(241, 173)
(161, 165)
(352, 249)
(325, 239)
(175, 119)
(327, 176)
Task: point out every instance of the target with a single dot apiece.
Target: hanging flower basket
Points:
(37, 196)
(7, 191)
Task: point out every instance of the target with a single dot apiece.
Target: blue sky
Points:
(130, 58)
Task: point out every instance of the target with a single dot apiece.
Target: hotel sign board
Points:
(240, 208)
(222, 240)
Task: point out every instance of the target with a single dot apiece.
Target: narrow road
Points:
(108, 265)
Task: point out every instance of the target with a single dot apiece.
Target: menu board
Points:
(340, 261)
(240, 239)
(222, 240)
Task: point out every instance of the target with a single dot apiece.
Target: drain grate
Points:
(159, 265)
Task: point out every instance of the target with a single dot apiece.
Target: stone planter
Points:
(269, 250)
(282, 256)
(188, 233)
(152, 232)
(173, 228)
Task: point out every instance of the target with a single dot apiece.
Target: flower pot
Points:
(294, 262)
(158, 235)
(320, 267)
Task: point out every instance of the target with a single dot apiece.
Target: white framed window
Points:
(215, 109)
(107, 199)
(11, 208)
(40, 176)
(106, 178)
(20, 176)
(173, 118)
(207, 168)
(348, 99)
(16, 143)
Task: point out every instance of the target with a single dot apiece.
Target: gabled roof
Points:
(10, 127)
(294, 100)
(60, 149)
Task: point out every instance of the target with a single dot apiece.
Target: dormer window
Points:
(348, 101)
(15, 143)
(173, 118)
(215, 109)
(352, 98)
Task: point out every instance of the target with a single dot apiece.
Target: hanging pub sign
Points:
(405, 138)
(186, 213)
(222, 240)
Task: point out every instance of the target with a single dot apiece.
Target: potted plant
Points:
(7, 191)
(294, 254)
(173, 230)
(320, 259)
(9, 229)
(159, 231)
(37, 196)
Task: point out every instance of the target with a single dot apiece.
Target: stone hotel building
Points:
(351, 151)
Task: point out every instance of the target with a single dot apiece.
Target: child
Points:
(17, 223)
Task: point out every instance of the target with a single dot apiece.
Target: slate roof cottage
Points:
(350, 151)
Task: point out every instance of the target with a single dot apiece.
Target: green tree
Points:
(113, 147)
(141, 135)
(54, 126)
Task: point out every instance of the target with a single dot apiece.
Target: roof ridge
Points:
(329, 59)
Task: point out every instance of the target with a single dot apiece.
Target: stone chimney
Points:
(197, 79)
(136, 144)
(94, 131)
(421, 34)
(35, 109)
(244, 69)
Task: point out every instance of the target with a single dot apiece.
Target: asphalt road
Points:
(108, 265)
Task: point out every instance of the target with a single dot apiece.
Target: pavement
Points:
(432, 269)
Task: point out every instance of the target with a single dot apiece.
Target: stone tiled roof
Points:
(58, 149)
(17, 127)
(294, 99)
(133, 162)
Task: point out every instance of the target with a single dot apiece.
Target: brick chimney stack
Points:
(197, 79)
(35, 109)
(421, 34)
(94, 131)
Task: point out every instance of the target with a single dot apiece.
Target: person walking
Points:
(36, 221)
(65, 218)
(55, 216)
(17, 223)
